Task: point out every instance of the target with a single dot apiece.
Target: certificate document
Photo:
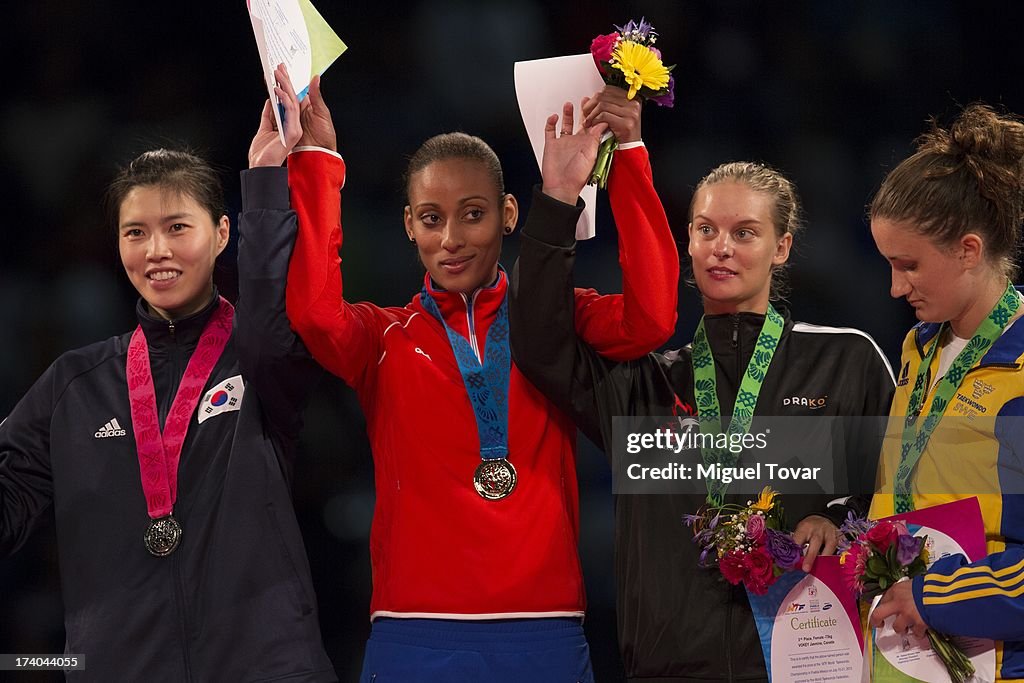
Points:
(292, 32)
(809, 627)
(953, 528)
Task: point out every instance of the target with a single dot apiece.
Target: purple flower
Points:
(782, 548)
(643, 29)
(853, 528)
(690, 520)
(907, 549)
(669, 97)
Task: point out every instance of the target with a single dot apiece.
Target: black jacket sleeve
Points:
(26, 481)
(546, 349)
(863, 432)
(273, 360)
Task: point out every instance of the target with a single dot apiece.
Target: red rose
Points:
(882, 535)
(732, 567)
(759, 563)
(602, 48)
(760, 571)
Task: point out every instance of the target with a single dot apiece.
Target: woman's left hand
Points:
(899, 600)
(266, 148)
(568, 158)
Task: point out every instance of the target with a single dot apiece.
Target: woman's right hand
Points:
(317, 126)
(266, 148)
(568, 157)
(610, 105)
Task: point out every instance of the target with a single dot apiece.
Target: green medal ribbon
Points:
(705, 387)
(916, 438)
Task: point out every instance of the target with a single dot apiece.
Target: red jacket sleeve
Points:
(628, 325)
(345, 338)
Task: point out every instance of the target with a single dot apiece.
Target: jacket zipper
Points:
(180, 601)
(470, 326)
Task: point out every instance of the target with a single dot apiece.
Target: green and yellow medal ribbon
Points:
(915, 435)
(705, 386)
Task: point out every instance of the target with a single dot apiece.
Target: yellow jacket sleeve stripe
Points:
(933, 578)
(974, 595)
(1009, 582)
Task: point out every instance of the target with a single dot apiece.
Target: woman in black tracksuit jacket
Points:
(678, 623)
(234, 600)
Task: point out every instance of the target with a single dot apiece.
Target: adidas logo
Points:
(112, 428)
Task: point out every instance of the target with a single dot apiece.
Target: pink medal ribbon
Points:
(159, 454)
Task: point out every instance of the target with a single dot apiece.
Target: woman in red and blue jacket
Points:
(474, 539)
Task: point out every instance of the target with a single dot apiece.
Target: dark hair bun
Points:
(965, 178)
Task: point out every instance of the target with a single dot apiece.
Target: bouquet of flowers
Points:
(628, 59)
(746, 541)
(876, 555)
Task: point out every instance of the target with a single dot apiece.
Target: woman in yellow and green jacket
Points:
(948, 220)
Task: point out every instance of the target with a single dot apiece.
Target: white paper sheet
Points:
(542, 87)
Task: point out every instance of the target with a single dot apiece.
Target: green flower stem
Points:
(599, 176)
(956, 662)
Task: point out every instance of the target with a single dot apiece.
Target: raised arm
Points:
(642, 318)
(26, 482)
(273, 360)
(345, 338)
(542, 310)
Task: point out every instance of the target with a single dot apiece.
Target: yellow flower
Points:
(640, 66)
(766, 501)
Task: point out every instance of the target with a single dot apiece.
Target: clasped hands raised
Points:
(305, 124)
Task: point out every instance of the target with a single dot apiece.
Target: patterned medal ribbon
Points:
(159, 453)
(705, 386)
(487, 386)
(915, 438)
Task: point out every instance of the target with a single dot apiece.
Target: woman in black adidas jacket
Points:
(234, 600)
(678, 623)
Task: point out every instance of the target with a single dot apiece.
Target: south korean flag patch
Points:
(222, 398)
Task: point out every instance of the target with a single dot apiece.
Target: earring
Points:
(507, 230)
(412, 239)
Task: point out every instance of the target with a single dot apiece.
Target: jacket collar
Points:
(1006, 351)
(725, 328)
(485, 300)
(187, 330)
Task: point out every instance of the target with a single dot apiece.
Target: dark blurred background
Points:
(833, 93)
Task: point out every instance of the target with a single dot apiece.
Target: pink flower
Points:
(602, 48)
(755, 527)
(883, 535)
(852, 565)
(733, 567)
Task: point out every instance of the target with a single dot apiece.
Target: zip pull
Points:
(735, 331)
(170, 327)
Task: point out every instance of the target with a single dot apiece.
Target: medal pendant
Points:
(162, 536)
(495, 479)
